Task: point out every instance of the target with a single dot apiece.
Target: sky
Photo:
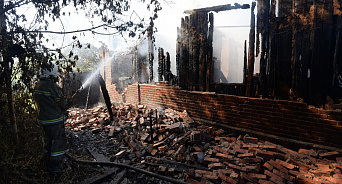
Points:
(228, 41)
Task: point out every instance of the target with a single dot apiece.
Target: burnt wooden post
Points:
(251, 53)
(245, 64)
(203, 28)
(106, 96)
(167, 67)
(193, 46)
(262, 29)
(150, 52)
(271, 69)
(337, 80)
(210, 52)
(160, 64)
(151, 126)
(184, 54)
(178, 49)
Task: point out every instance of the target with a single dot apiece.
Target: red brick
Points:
(278, 166)
(245, 155)
(265, 182)
(222, 155)
(250, 160)
(329, 155)
(283, 175)
(245, 176)
(227, 179)
(285, 164)
(210, 176)
(181, 149)
(266, 155)
(285, 150)
(252, 140)
(273, 177)
(235, 167)
(322, 166)
(255, 175)
(307, 152)
(268, 146)
(215, 166)
(268, 166)
(208, 159)
(250, 145)
(294, 173)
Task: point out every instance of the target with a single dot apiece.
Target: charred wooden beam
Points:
(167, 67)
(178, 49)
(210, 51)
(193, 52)
(271, 69)
(150, 52)
(263, 31)
(203, 51)
(106, 96)
(337, 78)
(172, 180)
(160, 64)
(219, 8)
(245, 64)
(184, 54)
(251, 58)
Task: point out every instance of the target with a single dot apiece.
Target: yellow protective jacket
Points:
(50, 101)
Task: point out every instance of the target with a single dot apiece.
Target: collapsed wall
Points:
(291, 120)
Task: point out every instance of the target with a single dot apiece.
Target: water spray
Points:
(77, 92)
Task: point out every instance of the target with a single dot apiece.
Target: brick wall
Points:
(114, 95)
(287, 119)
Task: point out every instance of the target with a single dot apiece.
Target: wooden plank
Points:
(210, 52)
(251, 58)
(119, 177)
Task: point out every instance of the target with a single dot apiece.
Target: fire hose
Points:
(165, 178)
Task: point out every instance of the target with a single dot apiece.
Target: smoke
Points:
(169, 18)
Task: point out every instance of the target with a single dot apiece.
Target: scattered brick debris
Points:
(170, 143)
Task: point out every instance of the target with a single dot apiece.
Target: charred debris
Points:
(298, 44)
(300, 59)
(146, 145)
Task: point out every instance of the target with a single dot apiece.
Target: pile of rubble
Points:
(170, 143)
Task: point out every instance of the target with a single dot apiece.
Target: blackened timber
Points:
(337, 78)
(182, 56)
(167, 67)
(262, 29)
(150, 52)
(219, 8)
(192, 50)
(210, 52)
(106, 96)
(245, 64)
(195, 51)
(178, 48)
(271, 69)
(203, 50)
(160, 64)
(251, 53)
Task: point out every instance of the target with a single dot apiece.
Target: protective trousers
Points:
(54, 144)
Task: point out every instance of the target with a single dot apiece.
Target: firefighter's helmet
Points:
(49, 71)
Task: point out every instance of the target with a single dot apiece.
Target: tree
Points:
(36, 54)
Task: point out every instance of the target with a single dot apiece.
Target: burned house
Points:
(213, 127)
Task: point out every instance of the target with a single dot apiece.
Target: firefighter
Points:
(51, 108)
